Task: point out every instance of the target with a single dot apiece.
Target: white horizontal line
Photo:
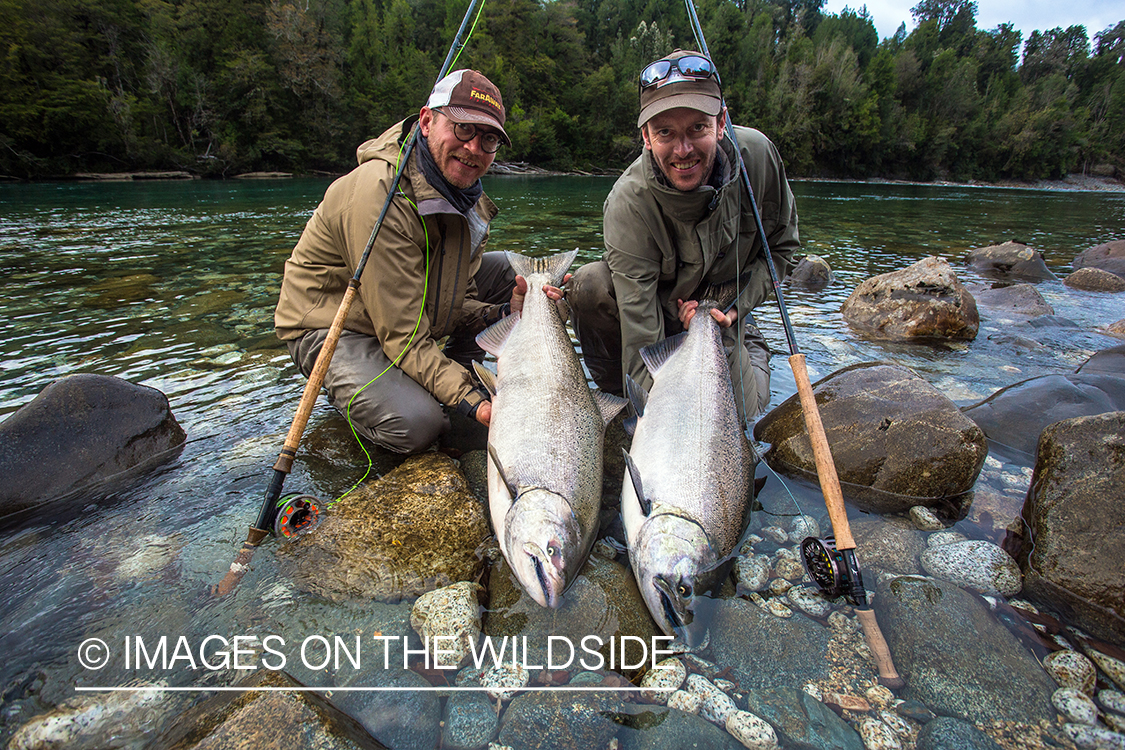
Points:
(450, 689)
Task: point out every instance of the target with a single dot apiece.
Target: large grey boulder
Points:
(1110, 361)
(813, 272)
(955, 657)
(923, 302)
(764, 651)
(1016, 414)
(416, 529)
(81, 431)
(1071, 555)
(1109, 256)
(896, 440)
(1009, 260)
(1095, 280)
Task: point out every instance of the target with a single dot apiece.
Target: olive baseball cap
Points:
(467, 96)
(674, 89)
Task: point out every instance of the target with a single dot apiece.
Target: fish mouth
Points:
(550, 583)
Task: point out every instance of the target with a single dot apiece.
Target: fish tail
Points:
(721, 296)
(554, 266)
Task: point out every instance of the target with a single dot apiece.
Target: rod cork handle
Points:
(888, 676)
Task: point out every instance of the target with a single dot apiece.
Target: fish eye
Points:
(552, 550)
(685, 590)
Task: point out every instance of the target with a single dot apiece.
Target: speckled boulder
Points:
(1095, 280)
(1009, 260)
(560, 721)
(1022, 300)
(924, 302)
(1016, 414)
(896, 440)
(947, 733)
(763, 650)
(416, 529)
(448, 620)
(1076, 497)
(80, 432)
(1109, 256)
(1071, 669)
(890, 544)
(976, 564)
(956, 657)
(801, 721)
(470, 722)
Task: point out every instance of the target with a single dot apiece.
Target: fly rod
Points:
(294, 514)
(831, 563)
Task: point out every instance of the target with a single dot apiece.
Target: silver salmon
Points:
(544, 440)
(686, 493)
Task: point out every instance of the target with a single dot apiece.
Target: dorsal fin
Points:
(555, 266)
(655, 355)
(487, 379)
(638, 396)
(609, 405)
(635, 477)
(493, 338)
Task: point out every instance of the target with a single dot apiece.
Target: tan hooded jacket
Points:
(395, 282)
(662, 244)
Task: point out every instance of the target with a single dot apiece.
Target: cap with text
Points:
(467, 96)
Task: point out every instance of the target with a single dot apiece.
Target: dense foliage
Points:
(222, 86)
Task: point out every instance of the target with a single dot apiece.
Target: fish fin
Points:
(655, 355)
(609, 405)
(635, 476)
(638, 396)
(487, 378)
(554, 266)
(500, 470)
(493, 338)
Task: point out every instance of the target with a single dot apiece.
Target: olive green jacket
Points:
(400, 274)
(662, 244)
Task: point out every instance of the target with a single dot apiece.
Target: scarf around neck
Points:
(462, 200)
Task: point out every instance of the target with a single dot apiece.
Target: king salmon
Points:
(544, 440)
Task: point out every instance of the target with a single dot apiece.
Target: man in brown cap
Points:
(677, 221)
(427, 277)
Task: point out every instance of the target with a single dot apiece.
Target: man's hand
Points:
(688, 309)
(553, 292)
(484, 412)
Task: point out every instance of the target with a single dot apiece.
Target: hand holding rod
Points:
(268, 512)
(825, 467)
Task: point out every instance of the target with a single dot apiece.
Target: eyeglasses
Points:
(689, 66)
(490, 142)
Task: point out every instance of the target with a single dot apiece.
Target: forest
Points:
(221, 87)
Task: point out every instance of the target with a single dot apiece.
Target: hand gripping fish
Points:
(686, 493)
(545, 439)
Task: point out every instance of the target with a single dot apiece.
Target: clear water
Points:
(173, 285)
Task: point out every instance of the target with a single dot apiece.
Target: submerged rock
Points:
(1009, 260)
(801, 721)
(560, 721)
(1016, 414)
(448, 620)
(1018, 299)
(947, 733)
(975, 563)
(1109, 256)
(81, 431)
(1071, 511)
(922, 302)
(1095, 280)
(813, 271)
(646, 727)
(416, 529)
(96, 721)
(896, 440)
(762, 650)
(956, 657)
(890, 544)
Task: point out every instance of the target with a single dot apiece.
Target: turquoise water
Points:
(173, 284)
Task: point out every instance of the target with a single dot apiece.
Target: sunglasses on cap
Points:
(689, 66)
(465, 132)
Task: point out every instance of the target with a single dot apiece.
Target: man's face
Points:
(461, 163)
(684, 142)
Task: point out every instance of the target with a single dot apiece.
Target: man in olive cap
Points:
(427, 276)
(677, 221)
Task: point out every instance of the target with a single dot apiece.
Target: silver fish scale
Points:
(546, 427)
(689, 447)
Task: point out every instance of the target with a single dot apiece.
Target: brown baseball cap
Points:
(677, 90)
(467, 96)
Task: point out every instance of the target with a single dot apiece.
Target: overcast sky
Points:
(1025, 15)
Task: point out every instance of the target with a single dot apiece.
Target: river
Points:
(173, 284)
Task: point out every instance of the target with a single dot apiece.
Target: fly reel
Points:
(824, 564)
(297, 514)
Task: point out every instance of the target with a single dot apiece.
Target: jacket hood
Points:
(387, 146)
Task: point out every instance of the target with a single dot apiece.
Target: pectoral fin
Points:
(500, 471)
(635, 476)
